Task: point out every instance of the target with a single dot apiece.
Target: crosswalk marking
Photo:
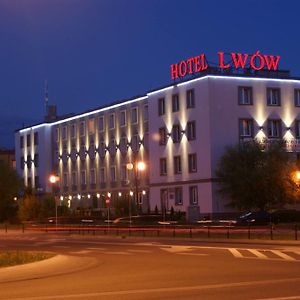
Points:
(235, 252)
(283, 255)
(258, 254)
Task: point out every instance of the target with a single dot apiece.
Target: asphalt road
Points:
(90, 267)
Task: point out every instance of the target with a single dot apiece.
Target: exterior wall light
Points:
(182, 132)
(144, 192)
(169, 134)
(131, 193)
(261, 128)
(98, 195)
(288, 128)
(120, 194)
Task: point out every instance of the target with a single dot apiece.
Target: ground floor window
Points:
(193, 195)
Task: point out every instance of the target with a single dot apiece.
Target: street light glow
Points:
(141, 166)
(53, 179)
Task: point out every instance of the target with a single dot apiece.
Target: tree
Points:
(29, 208)
(254, 177)
(10, 186)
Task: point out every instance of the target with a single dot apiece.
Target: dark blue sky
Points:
(94, 52)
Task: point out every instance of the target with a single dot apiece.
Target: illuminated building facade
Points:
(179, 131)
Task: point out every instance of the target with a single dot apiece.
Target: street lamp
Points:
(54, 179)
(137, 166)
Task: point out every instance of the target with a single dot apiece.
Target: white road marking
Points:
(164, 290)
(281, 298)
(193, 254)
(177, 249)
(81, 252)
(235, 252)
(139, 251)
(258, 254)
(99, 249)
(283, 255)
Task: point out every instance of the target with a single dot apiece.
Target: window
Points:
(22, 162)
(175, 103)
(29, 161)
(161, 106)
(297, 97)
(176, 133)
(297, 128)
(123, 118)
(134, 115)
(190, 99)
(82, 128)
(36, 182)
(274, 128)
(162, 136)
(101, 124)
(111, 121)
(177, 164)
(21, 142)
(124, 173)
(178, 196)
(193, 193)
(113, 177)
(36, 160)
(74, 178)
(246, 128)
(146, 113)
(28, 140)
(65, 180)
(245, 95)
(64, 133)
(91, 126)
(102, 148)
(192, 159)
(123, 144)
(163, 166)
(102, 175)
(36, 138)
(73, 131)
(83, 177)
(191, 130)
(273, 96)
(56, 134)
(135, 143)
(92, 176)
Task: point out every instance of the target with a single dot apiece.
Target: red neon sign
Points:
(198, 63)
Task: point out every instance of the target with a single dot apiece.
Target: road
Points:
(94, 267)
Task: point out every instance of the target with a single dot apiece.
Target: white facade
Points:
(180, 132)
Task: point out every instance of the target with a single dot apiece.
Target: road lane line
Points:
(283, 255)
(235, 252)
(258, 254)
(281, 298)
(193, 254)
(162, 290)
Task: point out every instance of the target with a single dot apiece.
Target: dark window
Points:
(191, 130)
(28, 140)
(134, 115)
(178, 196)
(245, 95)
(162, 136)
(21, 142)
(190, 98)
(297, 97)
(175, 103)
(273, 97)
(177, 164)
(36, 160)
(36, 138)
(246, 128)
(36, 182)
(274, 128)
(193, 191)
(297, 128)
(176, 133)
(163, 166)
(22, 162)
(161, 106)
(192, 159)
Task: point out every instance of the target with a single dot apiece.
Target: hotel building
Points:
(179, 132)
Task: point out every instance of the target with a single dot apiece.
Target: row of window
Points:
(274, 128)
(105, 175)
(177, 164)
(28, 140)
(29, 161)
(178, 195)
(91, 123)
(245, 96)
(177, 133)
(190, 102)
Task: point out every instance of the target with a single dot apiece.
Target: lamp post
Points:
(54, 179)
(136, 166)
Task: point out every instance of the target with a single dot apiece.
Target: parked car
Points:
(255, 218)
